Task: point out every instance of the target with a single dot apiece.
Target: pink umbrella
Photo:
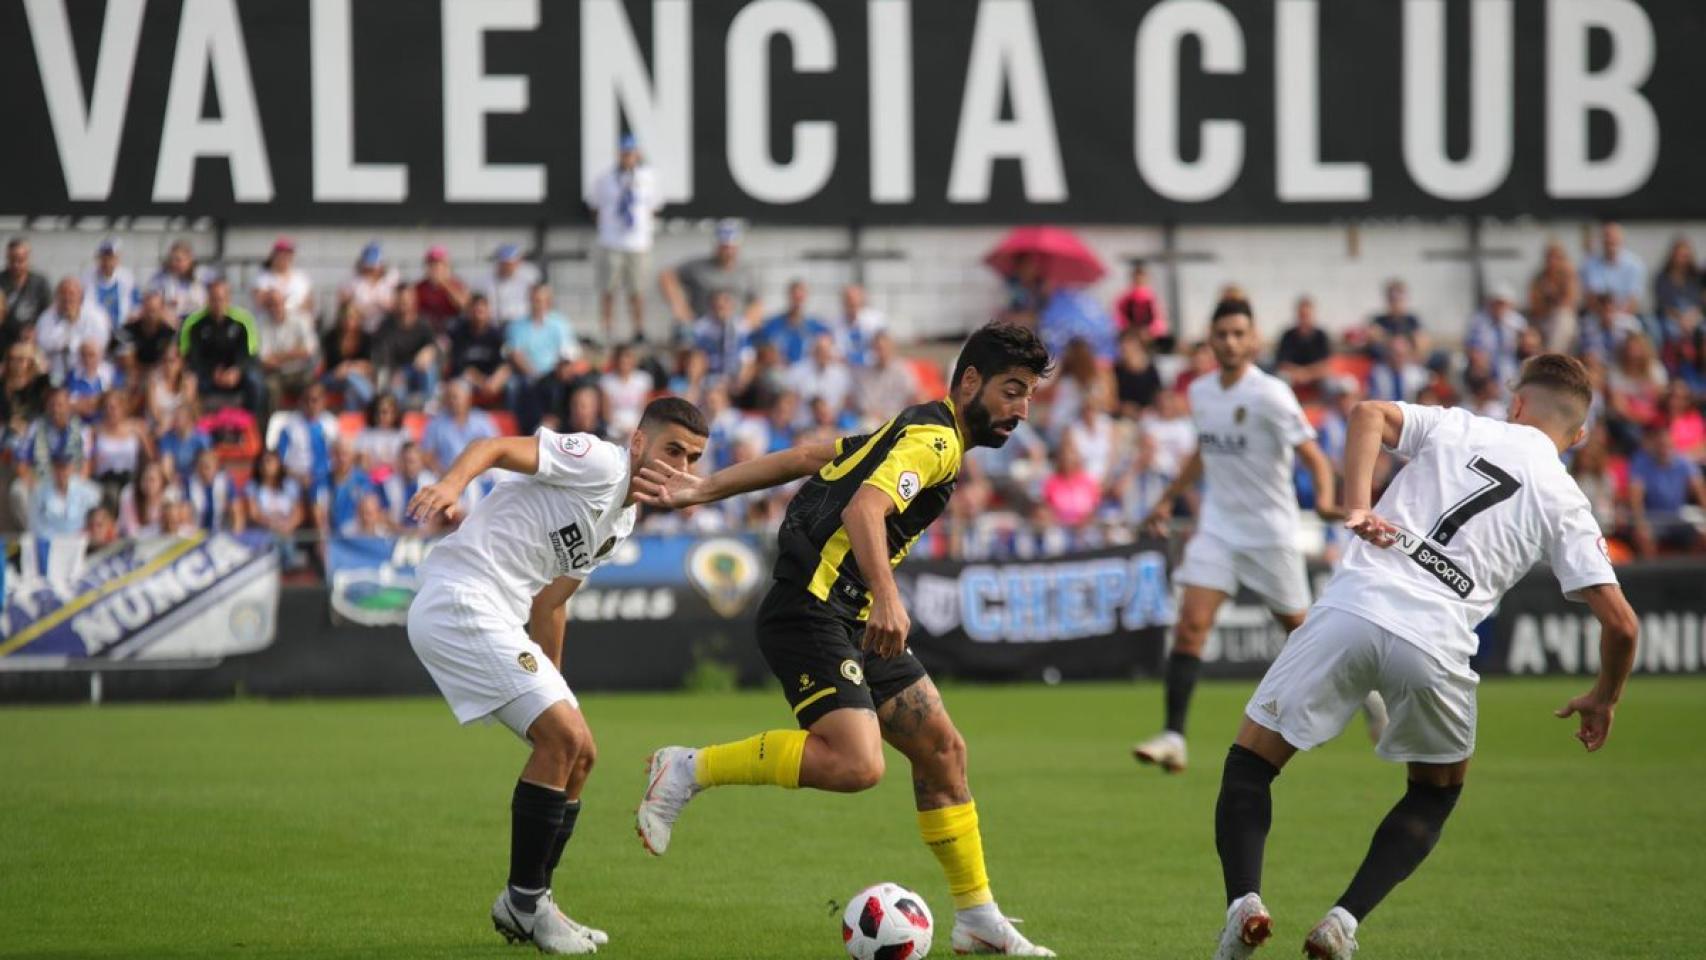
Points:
(1061, 258)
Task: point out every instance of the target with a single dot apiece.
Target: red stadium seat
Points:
(1351, 365)
(416, 423)
(504, 421)
(931, 385)
(351, 423)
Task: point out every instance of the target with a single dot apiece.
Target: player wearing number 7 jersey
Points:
(1477, 505)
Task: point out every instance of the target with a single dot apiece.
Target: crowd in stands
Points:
(185, 401)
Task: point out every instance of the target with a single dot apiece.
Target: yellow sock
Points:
(951, 834)
(771, 758)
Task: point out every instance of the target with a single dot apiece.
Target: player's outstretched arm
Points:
(516, 454)
(660, 485)
(1618, 631)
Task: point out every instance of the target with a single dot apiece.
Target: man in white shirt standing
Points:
(510, 286)
(1249, 426)
(72, 321)
(517, 558)
(626, 199)
(1479, 503)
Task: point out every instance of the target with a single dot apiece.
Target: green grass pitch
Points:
(379, 829)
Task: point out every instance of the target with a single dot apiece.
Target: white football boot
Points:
(985, 930)
(546, 927)
(1248, 926)
(1374, 711)
(669, 785)
(1334, 938)
(1166, 750)
(592, 933)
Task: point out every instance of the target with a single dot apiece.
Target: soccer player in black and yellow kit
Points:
(834, 631)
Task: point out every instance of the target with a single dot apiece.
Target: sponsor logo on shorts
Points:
(527, 661)
(908, 484)
(852, 671)
(806, 682)
(573, 444)
(1430, 558)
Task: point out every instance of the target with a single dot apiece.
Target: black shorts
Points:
(815, 652)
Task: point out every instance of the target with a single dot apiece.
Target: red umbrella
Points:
(1061, 257)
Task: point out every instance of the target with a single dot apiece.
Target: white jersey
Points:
(1480, 502)
(1246, 434)
(563, 521)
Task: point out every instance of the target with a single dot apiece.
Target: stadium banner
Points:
(887, 111)
(1537, 631)
(1091, 614)
(371, 580)
(147, 603)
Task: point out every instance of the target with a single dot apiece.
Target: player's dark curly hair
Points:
(999, 347)
(677, 411)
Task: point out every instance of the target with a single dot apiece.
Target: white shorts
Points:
(1276, 573)
(483, 662)
(1327, 669)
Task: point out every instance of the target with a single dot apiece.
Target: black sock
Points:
(1401, 843)
(536, 815)
(1182, 669)
(1241, 819)
(571, 812)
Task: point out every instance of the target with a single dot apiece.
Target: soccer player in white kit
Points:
(1249, 426)
(488, 621)
(1479, 503)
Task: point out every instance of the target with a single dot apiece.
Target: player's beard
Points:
(981, 426)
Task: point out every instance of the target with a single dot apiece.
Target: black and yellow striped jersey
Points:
(914, 458)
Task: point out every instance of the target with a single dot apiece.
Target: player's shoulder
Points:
(586, 453)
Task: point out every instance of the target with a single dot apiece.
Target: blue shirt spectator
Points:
(459, 425)
(1614, 273)
(111, 286)
(1664, 481)
(182, 448)
(1494, 332)
(305, 443)
(793, 330)
(338, 497)
(60, 504)
(541, 338)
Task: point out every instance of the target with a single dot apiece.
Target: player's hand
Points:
(433, 499)
(660, 485)
(1368, 525)
(887, 628)
(1595, 719)
(1159, 519)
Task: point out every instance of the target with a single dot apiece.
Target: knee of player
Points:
(584, 759)
(864, 771)
(950, 749)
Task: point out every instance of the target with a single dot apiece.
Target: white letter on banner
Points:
(614, 84)
(470, 94)
(751, 165)
(890, 32)
(337, 177)
(1302, 176)
(1491, 76)
(1221, 156)
(1005, 54)
(87, 138)
(210, 37)
(1572, 93)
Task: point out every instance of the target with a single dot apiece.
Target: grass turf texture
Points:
(380, 829)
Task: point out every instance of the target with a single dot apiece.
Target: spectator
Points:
(1342, 395)
(1140, 482)
(1614, 273)
(1301, 357)
(583, 410)
(456, 426)
(305, 442)
(180, 446)
(440, 295)
(692, 377)
(1091, 435)
(1079, 377)
(510, 286)
(274, 502)
(1676, 290)
(280, 285)
(372, 290)
(1071, 492)
(58, 432)
(1591, 468)
(762, 379)
(1555, 298)
(179, 519)
(151, 332)
(141, 506)
(1073, 314)
(1493, 333)
(1202, 364)
(1683, 418)
(213, 496)
(626, 388)
(180, 282)
(111, 285)
(92, 376)
(1136, 382)
(782, 421)
(69, 322)
(407, 352)
(23, 389)
(1660, 485)
(1397, 320)
(689, 286)
(60, 507)
(1027, 291)
(1604, 328)
(100, 529)
(382, 440)
(1636, 386)
(400, 487)
(793, 330)
(823, 374)
(370, 518)
(290, 350)
(887, 384)
(1397, 376)
(1684, 349)
(347, 353)
(119, 443)
(477, 352)
(170, 386)
(1139, 311)
(339, 497)
(718, 335)
(626, 199)
(27, 293)
(860, 325)
(535, 343)
(220, 343)
(1175, 437)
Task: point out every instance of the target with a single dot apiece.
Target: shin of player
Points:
(1492, 499)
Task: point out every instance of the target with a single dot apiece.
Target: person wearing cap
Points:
(26, 292)
(280, 280)
(111, 284)
(221, 343)
(60, 507)
(690, 285)
(440, 295)
(72, 320)
(181, 282)
(1303, 351)
(372, 288)
(1493, 332)
(626, 200)
(510, 285)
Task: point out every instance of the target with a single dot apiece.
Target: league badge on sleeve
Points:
(907, 485)
(573, 444)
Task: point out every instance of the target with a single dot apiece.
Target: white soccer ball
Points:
(887, 922)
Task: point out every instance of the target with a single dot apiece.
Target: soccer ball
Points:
(887, 922)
